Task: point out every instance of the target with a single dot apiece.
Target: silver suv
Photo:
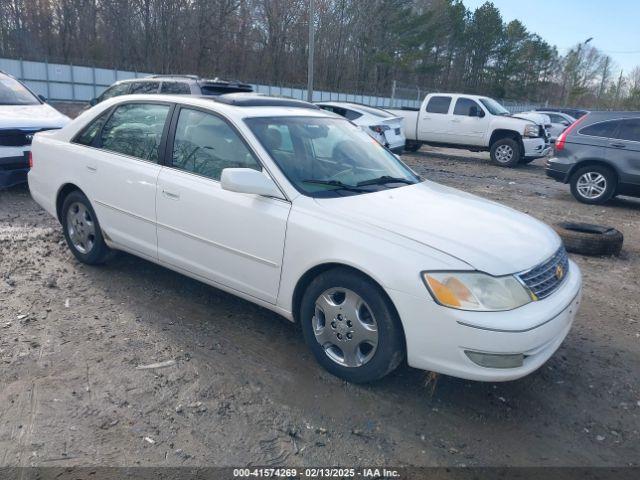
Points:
(599, 156)
(173, 85)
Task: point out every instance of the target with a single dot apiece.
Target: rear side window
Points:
(601, 129)
(463, 106)
(629, 130)
(343, 112)
(90, 132)
(135, 129)
(145, 87)
(205, 144)
(175, 88)
(439, 104)
(114, 91)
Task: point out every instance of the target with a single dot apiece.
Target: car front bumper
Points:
(14, 165)
(535, 147)
(438, 338)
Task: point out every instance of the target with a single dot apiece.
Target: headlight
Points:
(531, 131)
(476, 291)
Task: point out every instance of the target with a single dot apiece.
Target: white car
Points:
(22, 114)
(559, 122)
(383, 126)
(298, 211)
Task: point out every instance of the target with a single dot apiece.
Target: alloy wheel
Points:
(504, 153)
(345, 327)
(81, 228)
(591, 185)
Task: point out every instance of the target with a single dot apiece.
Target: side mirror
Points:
(565, 123)
(248, 180)
(43, 98)
(93, 102)
(474, 111)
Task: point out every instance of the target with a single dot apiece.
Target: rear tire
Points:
(351, 327)
(412, 147)
(505, 152)
(594, 184)
(82, 230)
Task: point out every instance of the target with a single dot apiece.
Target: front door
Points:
(468, 123)
(229, 238)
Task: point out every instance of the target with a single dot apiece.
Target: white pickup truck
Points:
(475, 123)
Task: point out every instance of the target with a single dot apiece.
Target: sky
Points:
(613, 24)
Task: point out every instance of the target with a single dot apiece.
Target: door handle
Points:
(172, 196)
(91, 169)
(455, 121)
(617, 145)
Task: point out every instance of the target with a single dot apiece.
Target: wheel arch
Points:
(63, 192)
(593, 162)
(501, 133)
(313, 272)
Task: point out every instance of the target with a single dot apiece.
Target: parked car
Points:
(574, 112)
(172, 85)
(559, 122)
(599, 156)
(22, 114)
(383, 126)
(539, 118)
(474, 123)
(297, 210)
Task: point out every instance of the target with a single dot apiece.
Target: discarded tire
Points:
(590, 239)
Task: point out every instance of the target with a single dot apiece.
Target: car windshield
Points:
(494, 107)
(12, 92)
(329, 157)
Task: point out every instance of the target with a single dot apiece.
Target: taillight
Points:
(30, 157)
(379, 128)
(561, 140)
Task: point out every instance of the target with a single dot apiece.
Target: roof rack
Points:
(257, 100)
(192, 77)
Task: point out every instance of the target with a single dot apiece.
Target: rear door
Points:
(467, 129)
(624, 151)
(229, 238)
(118, 157)
(434, 121)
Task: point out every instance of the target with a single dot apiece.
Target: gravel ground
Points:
(239, 387)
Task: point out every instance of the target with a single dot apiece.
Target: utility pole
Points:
(311, 47)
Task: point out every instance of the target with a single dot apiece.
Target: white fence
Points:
(60, 82)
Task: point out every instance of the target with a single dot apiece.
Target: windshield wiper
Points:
(334, 183)
(384, 179)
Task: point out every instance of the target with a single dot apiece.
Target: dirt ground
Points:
(245, 390)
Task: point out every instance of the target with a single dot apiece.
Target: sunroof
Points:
(253, 100)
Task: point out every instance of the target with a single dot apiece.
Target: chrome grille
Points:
(545, 278)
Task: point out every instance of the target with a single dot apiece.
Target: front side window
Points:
(135, 129)
(629, 130)
(464, 105)
(175, 88)
(601, 129)
(12, 92)
(205, 144)
(144, 87)
(114, 91)
(329, 157)
(439, 105)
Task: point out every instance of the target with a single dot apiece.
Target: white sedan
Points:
(383, 126)
(559, 122)
(298, 211)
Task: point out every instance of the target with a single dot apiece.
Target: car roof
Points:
(253, 105)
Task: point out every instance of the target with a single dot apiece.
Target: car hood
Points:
(31, 116)
(538, 118)
(486, 235)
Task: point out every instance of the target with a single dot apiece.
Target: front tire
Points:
(351, 327)
(594, 184)
(82, 230)
(505, 152)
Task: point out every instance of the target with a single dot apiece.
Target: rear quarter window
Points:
(600, 129)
